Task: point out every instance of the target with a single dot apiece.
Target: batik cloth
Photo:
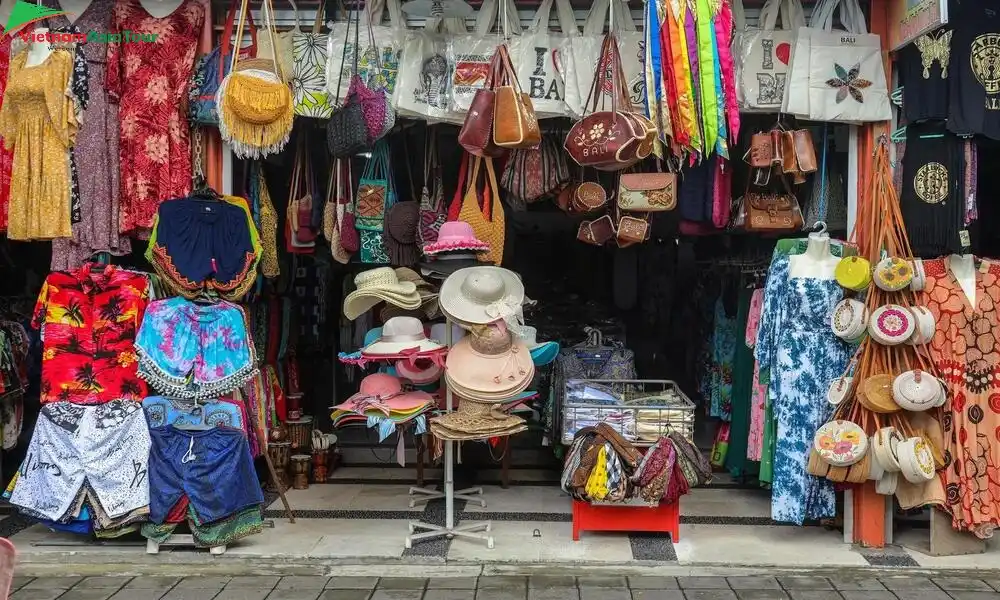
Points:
(162, 411)
(212, 467)
(106, 447)
(223, 532)
(195, 351)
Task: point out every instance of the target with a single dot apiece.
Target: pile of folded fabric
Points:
(602, 466)
(382, 404)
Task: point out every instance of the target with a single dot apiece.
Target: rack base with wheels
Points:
(627, 516)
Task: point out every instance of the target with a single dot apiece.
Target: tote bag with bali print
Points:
(537, 56)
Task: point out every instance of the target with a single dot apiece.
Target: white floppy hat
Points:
(379, 285)
(482, 295)
(401, 334)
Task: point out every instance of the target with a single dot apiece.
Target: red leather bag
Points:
(476, 135)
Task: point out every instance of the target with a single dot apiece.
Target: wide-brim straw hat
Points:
(446, 263)
(476, 421)
(481, 295)
(419, 372)
(490, 366)
(430, 308)
(400, 335)
(379, 285)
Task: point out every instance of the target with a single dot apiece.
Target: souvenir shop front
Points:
(277, 239)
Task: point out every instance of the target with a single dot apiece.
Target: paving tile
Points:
(352, 583)
(601, 581)
(294, 594)
(202, 582)
(115, 583)
(703, 583)
(243, 593)
(867, 595)
(962, 595)
(805, 583)
(653, 583)
(253, 582)
(909, 584)
(452, 583)
(993, 583)
(19, 582)
(191, 594)
(604, 593)
(88, 594)
(401, 583)
(140, 594)
(507, 582)
(345, 594)
(906, 594)
(857, 584)
(397, 594)
(554, 593)
(152, 583)
(753, 583)
(53, 583)
(302, 583)
(36, 594)
(551, 581)
(452, 594)
(814, 594)
(500, 594)
(772, 594)
(961, 584)
(657, 595)
(709, 594)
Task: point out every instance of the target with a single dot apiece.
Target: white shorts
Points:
(106, 446)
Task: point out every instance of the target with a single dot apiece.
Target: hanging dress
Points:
(803, 356)
(967, 356)
(6, 155)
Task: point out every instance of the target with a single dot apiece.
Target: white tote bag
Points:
(764, 54)
(796, 100)
(381, 47)
(847, 81)
(425, 73)
(471, 53)
(535, 58)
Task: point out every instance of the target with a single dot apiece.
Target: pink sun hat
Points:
(383, 393)
(456, 235)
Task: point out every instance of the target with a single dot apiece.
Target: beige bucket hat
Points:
(380, 285)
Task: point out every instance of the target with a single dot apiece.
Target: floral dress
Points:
(795, 343)
(967, 356)
(758, 392)
(149, 81)
(723, 352)
(6, 156)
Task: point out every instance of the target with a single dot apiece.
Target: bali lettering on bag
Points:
(537, 79)
(470, 72)
(771, 86)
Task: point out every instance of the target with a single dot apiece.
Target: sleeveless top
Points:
(932, 189)
(924, 67)
(975, 94)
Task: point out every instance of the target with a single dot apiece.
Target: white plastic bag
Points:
(535, 58)
(381, 47)
(425, 73)
(764, 54)
(471, 53)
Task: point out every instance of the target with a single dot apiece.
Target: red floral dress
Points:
(6, 156)
(89, 320)
(967, 355)
(150, 82)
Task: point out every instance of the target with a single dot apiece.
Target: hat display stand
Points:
(479, 530)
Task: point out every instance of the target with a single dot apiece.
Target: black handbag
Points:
(346, 132)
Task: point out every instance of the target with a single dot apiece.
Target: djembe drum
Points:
(300, 471)
(280, 453)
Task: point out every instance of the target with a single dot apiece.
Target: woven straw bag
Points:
(490, 230)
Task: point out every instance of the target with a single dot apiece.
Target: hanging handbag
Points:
(476, 135)
(535, 174)
(375, 196)
(309, 54)
(597, 232)
(298, 237)
(771, 212)
(432, 210)
(334, 210)
(514, 122)
(647, 192)
(213, 67)
(350, 239)
(348, 131)
(489, 229)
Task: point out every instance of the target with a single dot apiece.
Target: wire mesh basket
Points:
(641, 410)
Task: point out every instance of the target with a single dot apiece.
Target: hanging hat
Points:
(489, 367)
(542, 353)
(455, 235)
(420, 371)
(446, 263)
(383, 393)
(481, 295)
(476, 421)
(429, 306)
(408, 274)
(400, 233)
(379, 285)
(401, 335)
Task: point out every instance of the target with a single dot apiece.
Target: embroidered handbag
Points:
(213, 67)
(771, 212)
(631, 230)
(597, 232)
(488, 221)
(375, 196)
(514, 122)
(588, 197)
(535, 174)
(647, 192)
(432, 209)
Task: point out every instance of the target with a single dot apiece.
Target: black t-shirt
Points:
(924, 67)
(932, 200)
(975, 65)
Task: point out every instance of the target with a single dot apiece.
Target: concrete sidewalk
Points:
(538, 587)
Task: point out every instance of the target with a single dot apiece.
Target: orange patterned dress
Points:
(967, 356)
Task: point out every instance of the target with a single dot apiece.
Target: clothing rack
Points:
(478, 530)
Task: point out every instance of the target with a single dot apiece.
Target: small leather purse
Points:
(805, 151)
(632, 230)
(588, 197)
(777, 148)
(647, 192)
(760, 152)
(789, 164)
(597, 232)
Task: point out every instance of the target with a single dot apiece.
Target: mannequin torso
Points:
(817, 262)
(161, 8)
(74, 8)
(39, 49)
(963, 267)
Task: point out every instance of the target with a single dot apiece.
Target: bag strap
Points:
(430, 157)
(295, 8)
(768, 18)
(739, 16)
(567, 19)
(294, 187)
(267, 9)
(320, 17)
(227, 37)
(793, 15)
(540, 23)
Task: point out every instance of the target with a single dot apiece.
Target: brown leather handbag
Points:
(632, 230)
(588, 197)
(647, 192)
(805, 150)
(772, 212)
(597, 232)
(759, 155)
(476, 135)
(514, 122)
(608, 137)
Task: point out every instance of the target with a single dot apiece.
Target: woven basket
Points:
(875, 394)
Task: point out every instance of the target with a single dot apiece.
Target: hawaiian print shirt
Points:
(88, 320)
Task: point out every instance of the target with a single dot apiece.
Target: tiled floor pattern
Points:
(542, 587)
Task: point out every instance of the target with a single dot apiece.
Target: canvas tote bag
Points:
(472, 53)
(796, 100)
(847, 81)
(763, 54)
(536, 55)
(381, 47)
(309, 80)
(425, 73)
